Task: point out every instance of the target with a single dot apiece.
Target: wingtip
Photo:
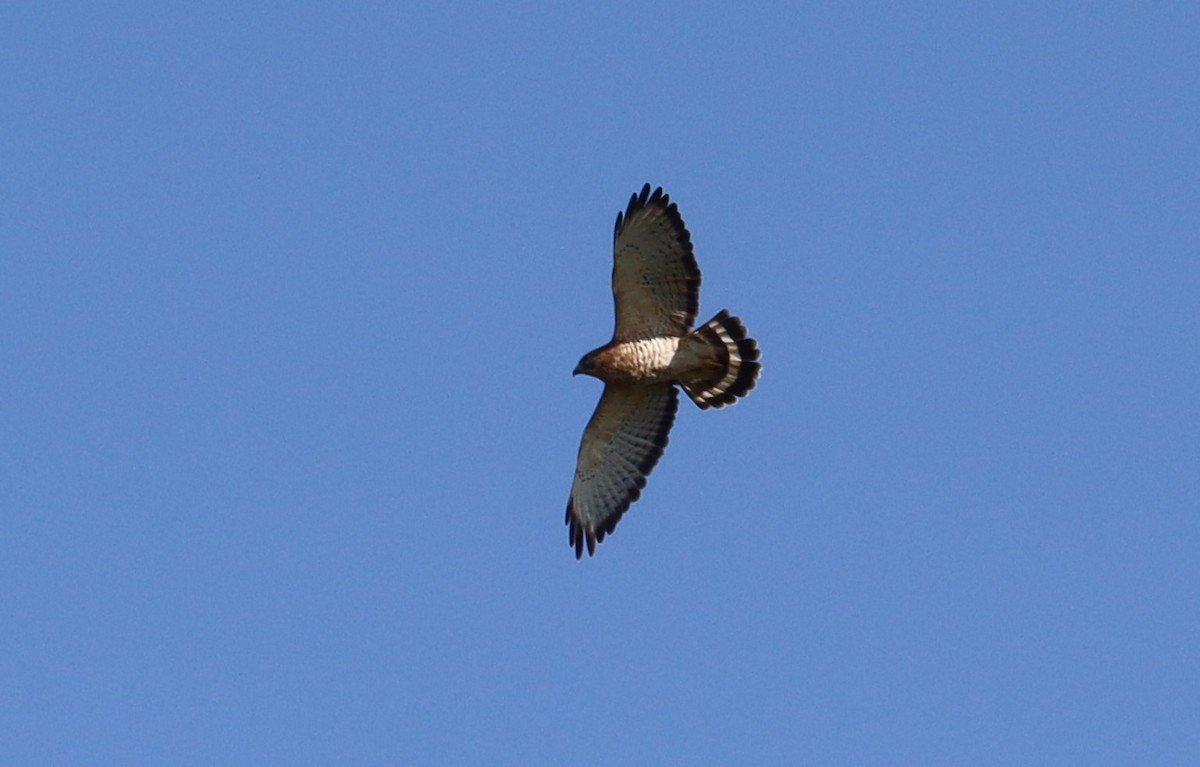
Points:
(648, 196)
(578, 536)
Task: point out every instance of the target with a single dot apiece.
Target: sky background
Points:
(290, 296)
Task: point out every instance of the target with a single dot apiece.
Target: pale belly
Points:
(646, 360)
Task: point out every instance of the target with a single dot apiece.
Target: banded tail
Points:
(731, 365)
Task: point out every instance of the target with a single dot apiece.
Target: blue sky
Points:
(290, 297)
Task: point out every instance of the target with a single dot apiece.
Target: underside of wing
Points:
(656, 282)
(621, 445)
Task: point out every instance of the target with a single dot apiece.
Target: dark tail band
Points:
(737, 355)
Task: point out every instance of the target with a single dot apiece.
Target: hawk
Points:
(656, 291)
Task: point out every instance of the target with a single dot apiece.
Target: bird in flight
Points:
(656, 292)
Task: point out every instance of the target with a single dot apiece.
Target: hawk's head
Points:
(587, 365)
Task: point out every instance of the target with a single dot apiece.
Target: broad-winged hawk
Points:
(656, 290)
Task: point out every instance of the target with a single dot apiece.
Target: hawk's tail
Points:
(731, 366)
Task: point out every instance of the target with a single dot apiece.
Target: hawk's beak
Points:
(577, 370)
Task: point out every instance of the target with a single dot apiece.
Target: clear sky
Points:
(290, 297)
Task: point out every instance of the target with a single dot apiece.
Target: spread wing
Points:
(621, 445)
(656, 282)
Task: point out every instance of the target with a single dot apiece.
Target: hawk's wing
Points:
(621, 444)
(656, 283)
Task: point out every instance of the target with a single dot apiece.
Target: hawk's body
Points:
(656, 291)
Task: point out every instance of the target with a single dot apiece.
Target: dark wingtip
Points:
(637, 201)
(578, 535)
(642, 199)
